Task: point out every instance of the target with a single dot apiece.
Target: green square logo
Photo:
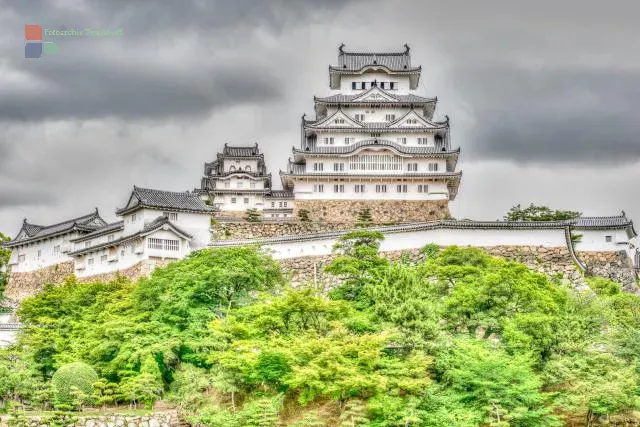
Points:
(50, 48)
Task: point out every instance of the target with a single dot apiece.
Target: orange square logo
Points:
(33, 32)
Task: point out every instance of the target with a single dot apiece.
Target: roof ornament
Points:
(24, 221)
(341, 48)
(446, 117)
(407, 48)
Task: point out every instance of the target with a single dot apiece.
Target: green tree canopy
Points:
(539, 213)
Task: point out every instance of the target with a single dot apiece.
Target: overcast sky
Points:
(543, 96)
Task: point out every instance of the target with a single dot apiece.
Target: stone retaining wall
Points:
(157, 419)
(550, 261)
(236, 230)
(382, 211)
(142, 269)
(23, 285)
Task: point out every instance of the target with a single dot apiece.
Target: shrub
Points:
(73, 384)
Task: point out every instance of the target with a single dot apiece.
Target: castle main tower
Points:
(374, 144)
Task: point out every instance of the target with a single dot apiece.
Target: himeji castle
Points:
(374, 144)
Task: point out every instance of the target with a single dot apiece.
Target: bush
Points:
(73, 384)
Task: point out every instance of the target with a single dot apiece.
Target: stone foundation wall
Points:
(23, 285)
(236, 230)
(142, 269)
(550, 261)
(157, 419)
(382, 211)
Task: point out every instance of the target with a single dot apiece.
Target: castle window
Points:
(338, 167)
(412, 167)
(133, 218)
(381, 188)
(360, 117)
(90, 261)
(608, 239)
(348, 140)
(359, 188)
(171, 216)
(240, 184)
(375, 162)
(401, 188)
(339, 121)
(110, 238)
(56, 249)
(318, 188)
(285, 204)
(246, 200)
(390, 117)
(280, 204)
(353, 85)
(328, 140)
(273, 204)
(433, 167)
(252, 185)
(233, 200)
(122, 252)
(402, 140)
(164, 244)
(103, 258)
(423, 141)
(318, 167)
(39, 253)
(87, 244)
(227, 184)
(412, 121)
(423, 188)
(363, 85)
(382, 84)
(392, 85)
(338, 188)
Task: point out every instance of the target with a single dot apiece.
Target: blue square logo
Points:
(33, 50)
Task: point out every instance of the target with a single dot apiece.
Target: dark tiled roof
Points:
(148, 228)
(32, 232)
(109, 228)
(355, 61)
(346, 99)
(279, 194)
(149, 198)
(607, 222)
(241, 151)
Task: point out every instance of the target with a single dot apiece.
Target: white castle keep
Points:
(374, 145)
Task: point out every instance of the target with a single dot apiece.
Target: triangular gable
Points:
(375, 94)
(411, 119)
(133, 200)
(167, 226)
(338, 119)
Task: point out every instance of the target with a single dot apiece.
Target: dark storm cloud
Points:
(18, 197)
(130, 76)
(576, 116)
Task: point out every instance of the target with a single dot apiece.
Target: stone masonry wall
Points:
(382, 211)
(142, 269)
(616, 266)
(550, 261)
(23, 285)
(156, 419)
(232, 230)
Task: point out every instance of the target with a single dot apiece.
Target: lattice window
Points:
(163, 244)
(376, 162)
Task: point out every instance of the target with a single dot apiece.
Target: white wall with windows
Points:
(595, 240)
(235, 165)
(401, 83)
(409, 139)
(373, 189)
(41, 253)
(375, 162)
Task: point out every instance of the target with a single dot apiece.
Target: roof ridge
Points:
(70, 220)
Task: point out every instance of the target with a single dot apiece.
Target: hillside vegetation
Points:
(460, 339)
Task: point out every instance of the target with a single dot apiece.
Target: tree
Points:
(539, 213)
(73, 384)
(5, 254)
(252, 215)
(364, 218)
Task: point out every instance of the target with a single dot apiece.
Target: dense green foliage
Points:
(72, 384)
(4, 265)
(539, 213)
(457, 339)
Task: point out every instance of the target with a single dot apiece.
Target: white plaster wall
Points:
(47, 254)
(303, 190)
(240, 163)
(596, 240)
(402, 82)
(411, 138)
(327, 163)
(224, 202)
(7, 337)
(417, 239)
(372, 114)
(94, 241)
